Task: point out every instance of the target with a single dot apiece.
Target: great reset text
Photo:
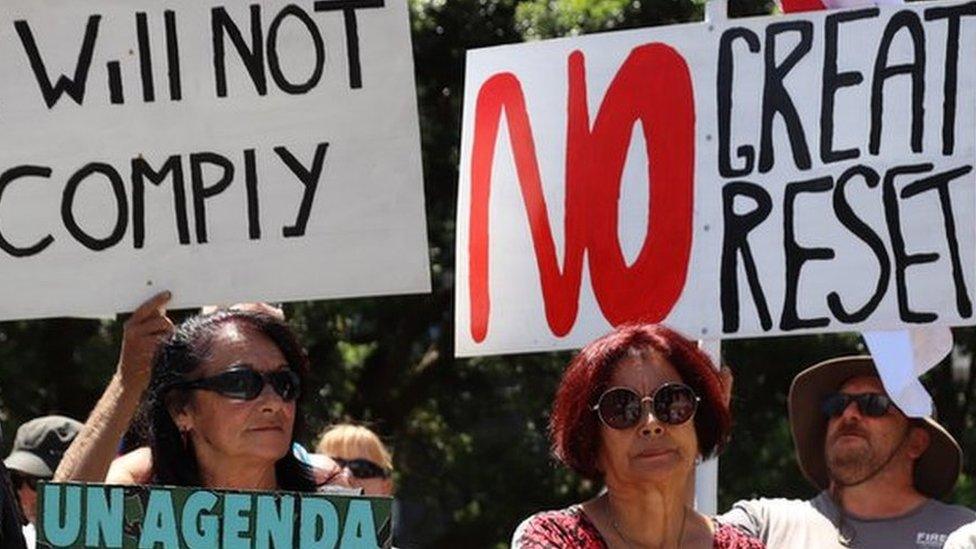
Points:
(758, 173)
(754, 200)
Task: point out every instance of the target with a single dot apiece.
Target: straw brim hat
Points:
(936, 470)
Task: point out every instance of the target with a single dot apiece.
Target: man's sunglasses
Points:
(870, 404)
(362, 468)
(243, 383)
(622, 408)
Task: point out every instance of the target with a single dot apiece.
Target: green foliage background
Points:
(469, 436)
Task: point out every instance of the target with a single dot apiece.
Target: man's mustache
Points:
(850, 429)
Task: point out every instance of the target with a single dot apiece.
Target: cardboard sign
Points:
(98, 515)
(226, 151)
(785, 174)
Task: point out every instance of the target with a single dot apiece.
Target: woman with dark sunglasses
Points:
(222, 401)
(221, 396)
(360, 451)
(636, 410)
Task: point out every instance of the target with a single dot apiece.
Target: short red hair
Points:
(574, 427)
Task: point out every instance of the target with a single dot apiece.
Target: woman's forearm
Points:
(90, 455)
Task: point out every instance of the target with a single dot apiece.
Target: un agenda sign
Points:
(97, 515)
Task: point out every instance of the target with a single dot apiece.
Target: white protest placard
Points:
(226, 151)
(732, 178)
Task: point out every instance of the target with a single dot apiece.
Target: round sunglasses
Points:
(363, 468)
(622, 407)
(244, 383)
(869, 404)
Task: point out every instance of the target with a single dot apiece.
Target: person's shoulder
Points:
(964, 514)
(132, 468)
(777, 502)
(567, 527)
(949, 516)
(756, 517)
(570, 517)
(772, 505)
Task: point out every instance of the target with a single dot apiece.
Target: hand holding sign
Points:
(89, 457)
(327, 472)
(143, 332)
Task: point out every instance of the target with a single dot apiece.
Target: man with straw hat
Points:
(880, 472)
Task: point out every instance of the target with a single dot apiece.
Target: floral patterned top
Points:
(570, 527)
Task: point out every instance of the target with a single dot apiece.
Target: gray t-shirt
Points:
(791, 523)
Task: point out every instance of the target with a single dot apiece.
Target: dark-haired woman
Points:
(636, 409)
(222, 393)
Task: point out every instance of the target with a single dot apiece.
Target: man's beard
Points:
(853, 462)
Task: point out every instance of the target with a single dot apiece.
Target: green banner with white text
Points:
(98, 515)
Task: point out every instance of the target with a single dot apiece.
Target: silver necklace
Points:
(626, 540)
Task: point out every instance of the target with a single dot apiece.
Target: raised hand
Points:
(142, 333)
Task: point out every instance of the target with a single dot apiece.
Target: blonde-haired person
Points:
(364, 456)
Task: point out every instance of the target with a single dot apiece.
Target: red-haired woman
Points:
(636, 409)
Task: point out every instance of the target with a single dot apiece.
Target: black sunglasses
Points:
(671, 403)
(362, 468)
(243, 383)
(870, 404)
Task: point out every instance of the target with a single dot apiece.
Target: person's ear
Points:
(181, 415)
(184, 422)
(918, 442)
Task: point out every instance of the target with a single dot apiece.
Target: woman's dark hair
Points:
(174, 462)
(574, 427)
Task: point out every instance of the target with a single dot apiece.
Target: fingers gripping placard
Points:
(225, 151)
(732, 178)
